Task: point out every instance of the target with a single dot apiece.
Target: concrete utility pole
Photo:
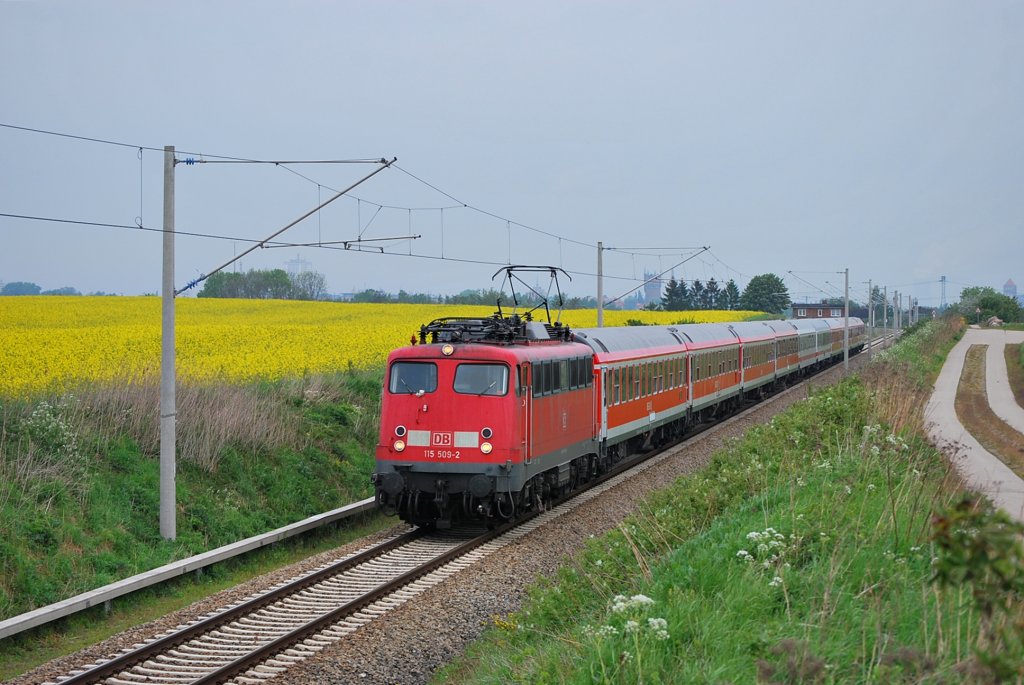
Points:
(846, 320)
(885, 310)
(871, 316)
(600, 284)
(168, 411)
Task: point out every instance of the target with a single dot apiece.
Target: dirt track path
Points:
(979, 468)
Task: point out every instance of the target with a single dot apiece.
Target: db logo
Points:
(441, 439)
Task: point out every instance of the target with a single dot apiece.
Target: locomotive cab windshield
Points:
(413, 378)
(481, 379)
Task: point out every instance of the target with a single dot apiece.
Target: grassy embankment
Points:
(805, 553)
(974, 412)
(79, 491)
(1015, 370)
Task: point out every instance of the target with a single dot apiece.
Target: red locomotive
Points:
(488, 418)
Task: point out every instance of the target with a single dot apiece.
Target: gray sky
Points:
(788, 136)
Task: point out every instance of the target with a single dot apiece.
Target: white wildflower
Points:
(657, 624)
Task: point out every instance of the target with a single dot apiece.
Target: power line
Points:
(654, 278)
(193, 158)
(354, 243)
(206, 158)
(217, 159)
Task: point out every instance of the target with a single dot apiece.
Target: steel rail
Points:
(125, 661)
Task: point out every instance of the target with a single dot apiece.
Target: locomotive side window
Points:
(481, 379)
(563, 375)
(409, 378)
(539, 372)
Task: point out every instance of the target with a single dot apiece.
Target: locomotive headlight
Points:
(486, 447)
(400, 431)
(399, 445)
(486, 433)
(447, 349)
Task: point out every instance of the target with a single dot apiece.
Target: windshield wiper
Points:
(484, 391)
(407, 386)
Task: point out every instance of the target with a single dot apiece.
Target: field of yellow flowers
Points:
(55, 343)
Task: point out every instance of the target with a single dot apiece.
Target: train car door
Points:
(526, 411)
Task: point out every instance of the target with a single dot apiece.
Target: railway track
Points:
(264, 635)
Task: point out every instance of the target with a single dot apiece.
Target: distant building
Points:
(298, 266)
(817, 310)
(652, 288)
(1010, 289)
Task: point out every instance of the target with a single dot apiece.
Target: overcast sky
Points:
(788, 136)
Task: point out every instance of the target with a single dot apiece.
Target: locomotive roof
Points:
(488, 352)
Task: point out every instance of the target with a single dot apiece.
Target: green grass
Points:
(79, 501)
(21, 653)
(802, 554)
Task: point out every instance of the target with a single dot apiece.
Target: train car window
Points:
(549, 374)
(410, 378)
(563, 375)
(538, 379)
(590, 371)
(574, 373)
(555, 377)
(481, 379)
(617, 385)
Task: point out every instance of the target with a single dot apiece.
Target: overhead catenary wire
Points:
(657, 277)
(193, 158)
(268, 243)
(191, 284)
(197, 157)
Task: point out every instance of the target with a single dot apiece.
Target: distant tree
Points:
(309, 285)
(990, 302)
(730, 296)
(20, 288)
(273, 284)
(712, 292)
(223, 284)
(685, 296)
(765, 293)
(671, 301)
(696, 295)
(268, 285)
(416, 298)
(586, 302)
(370, 295)
(67, 290)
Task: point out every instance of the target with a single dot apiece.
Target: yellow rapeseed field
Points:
(55, 343)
